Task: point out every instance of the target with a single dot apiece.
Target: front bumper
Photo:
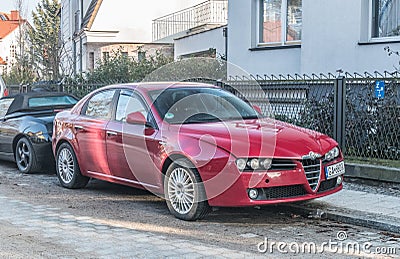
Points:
(230, 188)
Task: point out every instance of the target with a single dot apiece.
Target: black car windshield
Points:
(199, 105)
(51, 101)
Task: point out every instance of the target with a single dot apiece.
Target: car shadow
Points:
(128, 196)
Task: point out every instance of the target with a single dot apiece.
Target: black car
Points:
(26, 126)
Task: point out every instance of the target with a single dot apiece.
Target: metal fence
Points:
(351, 108)
(364, 120)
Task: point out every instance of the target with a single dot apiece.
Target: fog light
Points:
(339, 180)
(253, 194)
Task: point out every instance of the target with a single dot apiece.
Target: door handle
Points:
(77, 127)
(111, 133)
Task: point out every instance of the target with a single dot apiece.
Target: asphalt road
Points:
(40, 219)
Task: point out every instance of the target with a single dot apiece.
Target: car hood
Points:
(258, 138)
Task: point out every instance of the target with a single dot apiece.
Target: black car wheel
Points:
(68, 170)
(184, 191)
(25, 156)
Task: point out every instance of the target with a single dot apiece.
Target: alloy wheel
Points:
(181, 191)
(66, 165)
(23, 156)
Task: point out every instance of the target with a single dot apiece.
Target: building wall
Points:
(332, 31)
(132, 50)
(203, 41)
(9, 48)
(331, 38)
(5, 50)
(70, 41)
(242, 32)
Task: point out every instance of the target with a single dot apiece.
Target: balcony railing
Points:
(212, 12)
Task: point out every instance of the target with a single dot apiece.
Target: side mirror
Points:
(257, 109)
(136, 118)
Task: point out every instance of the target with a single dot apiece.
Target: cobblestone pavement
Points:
(87, 235)
(110, 221)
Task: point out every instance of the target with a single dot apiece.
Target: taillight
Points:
(6, 92)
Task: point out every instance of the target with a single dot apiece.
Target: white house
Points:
(12, 26)
(90, 26)
(198, 31)
(312, 36)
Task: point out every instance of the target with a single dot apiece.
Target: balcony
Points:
(209, 14)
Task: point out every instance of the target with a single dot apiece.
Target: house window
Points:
(280, 21)
(91, 61)
(385, 18)
(76, 22)
(141, 56)
(106, 55)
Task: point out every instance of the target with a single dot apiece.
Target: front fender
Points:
(35, 131)
(208, 158)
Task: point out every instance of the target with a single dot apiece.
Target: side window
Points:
(99, 106)
(385, 18)
(4, 105)
(129, 102)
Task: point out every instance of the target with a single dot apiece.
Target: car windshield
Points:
(199, 105)
(51, 101)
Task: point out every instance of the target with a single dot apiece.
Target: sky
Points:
(7, 5)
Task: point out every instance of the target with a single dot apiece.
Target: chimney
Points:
(14, 15)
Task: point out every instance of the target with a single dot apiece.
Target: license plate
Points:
(335, 170)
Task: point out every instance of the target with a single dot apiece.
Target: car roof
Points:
(152, 86)
(21, 100)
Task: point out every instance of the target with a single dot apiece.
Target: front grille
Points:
(312, 169)
(282, 164)
(281, 192)
(327, 185)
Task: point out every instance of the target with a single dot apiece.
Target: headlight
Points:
(332, 154)
(266, 163)
(253, 164)
(37, 137)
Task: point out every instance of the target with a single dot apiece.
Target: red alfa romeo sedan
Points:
(196, 145)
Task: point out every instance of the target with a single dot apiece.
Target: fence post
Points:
(339, 117)
(60, 87)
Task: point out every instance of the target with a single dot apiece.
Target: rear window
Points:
(49, 101)
(4, 105)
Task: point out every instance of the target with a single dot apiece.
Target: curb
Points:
(373, 172)
(383, 223)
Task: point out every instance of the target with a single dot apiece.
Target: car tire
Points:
(184, 191)
(67, 168)
(25, 156)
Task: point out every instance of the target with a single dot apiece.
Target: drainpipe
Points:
(225, 33)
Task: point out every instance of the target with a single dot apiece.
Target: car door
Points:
(8, 129)
(90, 133)
(130, 147)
